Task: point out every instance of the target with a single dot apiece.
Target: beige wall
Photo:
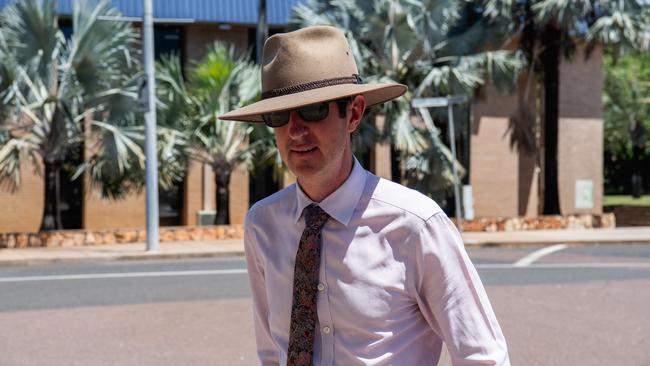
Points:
(494, 169)
(580, 157)
(22, 210)
(581, 86)
(100, 213)
(504, 181)
(238, 196)
(193, 194)
(200, 186)
(580, 145)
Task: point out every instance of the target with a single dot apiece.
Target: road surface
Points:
(560, 305)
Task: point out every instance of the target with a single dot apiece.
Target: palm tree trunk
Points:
(222, 180)
(550, 58)
(51, 213)
(395, 168)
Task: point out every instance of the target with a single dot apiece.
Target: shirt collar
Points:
(341, 203)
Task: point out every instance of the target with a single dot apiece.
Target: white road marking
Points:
(93, 276)
(536, 255)
(564, 265)
(123, 275)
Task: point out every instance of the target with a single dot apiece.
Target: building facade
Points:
(504, 182)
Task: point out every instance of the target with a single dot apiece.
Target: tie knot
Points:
(315, 217)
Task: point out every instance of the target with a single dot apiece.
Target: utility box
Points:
(205, 217)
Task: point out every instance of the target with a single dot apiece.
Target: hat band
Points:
(354, 79)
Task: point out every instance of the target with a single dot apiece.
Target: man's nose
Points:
(297, 126)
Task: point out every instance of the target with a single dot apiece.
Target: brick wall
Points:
(193, 194)
(580, 145)
(22, 210)
(504, 181)
(238, 196)
(101, 213)
(494, 169)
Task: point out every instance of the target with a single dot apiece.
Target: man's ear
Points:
(357, 107)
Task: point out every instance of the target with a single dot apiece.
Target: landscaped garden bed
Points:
(207, 233)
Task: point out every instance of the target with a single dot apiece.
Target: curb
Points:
(119, 257)
(538, 243)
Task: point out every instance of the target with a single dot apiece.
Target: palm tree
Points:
(548, 31)
(56, 91)
(216, 84)
(436, 48)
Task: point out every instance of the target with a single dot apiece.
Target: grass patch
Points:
(626, 201)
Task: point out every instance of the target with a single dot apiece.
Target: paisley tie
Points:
(305, 288)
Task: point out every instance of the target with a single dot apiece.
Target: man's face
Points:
(319, 150)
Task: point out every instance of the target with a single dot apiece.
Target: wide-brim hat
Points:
(307, 66)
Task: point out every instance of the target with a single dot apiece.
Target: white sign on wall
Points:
(584, 193)
(468, 202)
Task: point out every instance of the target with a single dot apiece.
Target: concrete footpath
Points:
(228, 248)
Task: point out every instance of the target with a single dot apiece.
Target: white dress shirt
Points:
(395, 280)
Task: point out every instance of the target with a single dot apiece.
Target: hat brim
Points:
(374, 94)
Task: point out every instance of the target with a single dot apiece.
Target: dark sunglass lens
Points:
(314, 112)
(276, 119)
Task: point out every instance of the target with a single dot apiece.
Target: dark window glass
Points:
(168, 40)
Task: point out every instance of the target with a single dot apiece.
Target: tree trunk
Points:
(395, 168)
(222, 180)
(637, 178)
(51, 213)
(550, 58)
(637, 136)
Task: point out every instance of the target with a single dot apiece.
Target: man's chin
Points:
(304, 169)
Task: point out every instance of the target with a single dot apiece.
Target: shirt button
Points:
(327, 330)
(321, 287)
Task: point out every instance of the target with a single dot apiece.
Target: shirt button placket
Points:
(325, 315)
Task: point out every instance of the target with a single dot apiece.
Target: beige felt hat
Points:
(310, 65)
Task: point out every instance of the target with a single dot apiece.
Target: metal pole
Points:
(452, 143)
(150, 131)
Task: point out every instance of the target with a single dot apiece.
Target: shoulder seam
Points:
(259, 204)
(437, 213)
(406, 210)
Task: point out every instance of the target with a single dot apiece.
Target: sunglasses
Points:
(309, 113)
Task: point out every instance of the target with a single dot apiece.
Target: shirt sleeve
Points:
(266, 351)
(452, 298)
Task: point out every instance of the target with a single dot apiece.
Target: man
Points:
(347, 268)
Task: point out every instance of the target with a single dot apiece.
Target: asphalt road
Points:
(585, 305)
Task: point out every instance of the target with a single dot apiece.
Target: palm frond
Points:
(30, 31)
(13, 153)
(101, 49)
(55, 85)
(564, 13)
(432, 169)
(627, 29)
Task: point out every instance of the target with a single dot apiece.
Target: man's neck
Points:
(318, 188)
